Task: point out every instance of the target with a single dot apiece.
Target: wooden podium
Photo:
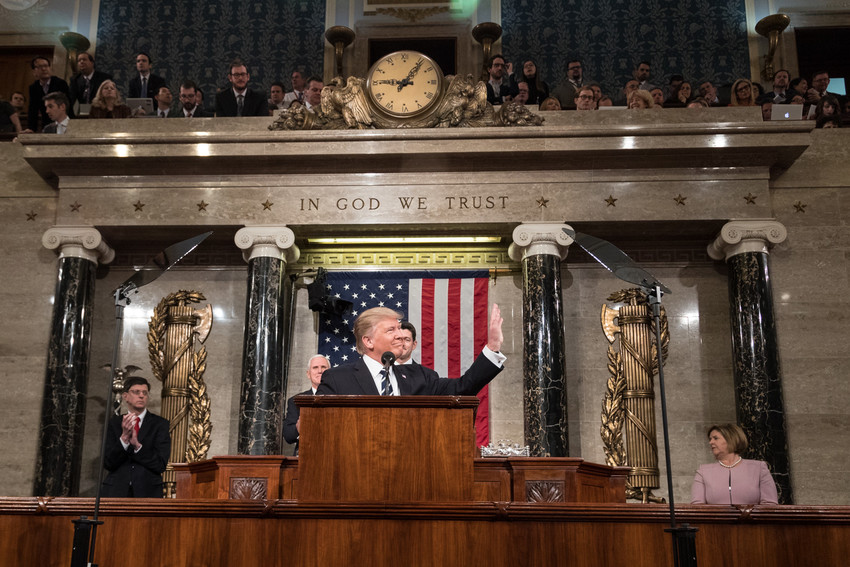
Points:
(403, 449)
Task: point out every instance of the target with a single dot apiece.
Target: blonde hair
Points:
(751, 101)
(736, 439)
(644, 96)
(98, 101)
(365, 323)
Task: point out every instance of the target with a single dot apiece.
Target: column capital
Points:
(78, 242)
(533, 238)
(740, 236)
(267, 241)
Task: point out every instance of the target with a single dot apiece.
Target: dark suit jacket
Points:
(36, 107)
(413, 380)
(155, 82)
(290, 432)
(255, 104)
(50, 128)
(142, 470)
(199, 113)
(78, 86)
(509, 88)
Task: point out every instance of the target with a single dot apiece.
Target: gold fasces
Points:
(173, 331)
(628, 409)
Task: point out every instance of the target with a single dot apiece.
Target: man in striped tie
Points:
(378, 331)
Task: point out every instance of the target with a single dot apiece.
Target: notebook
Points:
(145, 103)
(786, 112)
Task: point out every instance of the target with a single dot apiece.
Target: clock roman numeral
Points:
(379, 96)
(389, 60)
(404, 56)
(404, 108)
(429, 95)
(389, 105)
(429, 69)
(432, 82)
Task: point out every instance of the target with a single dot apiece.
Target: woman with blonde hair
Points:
(731, 479)
(107, 103)
(743, 93)
(640, 99)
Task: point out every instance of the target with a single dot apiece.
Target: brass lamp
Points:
(74, 44)
(340, 37)
(771, 27)
(486, 34)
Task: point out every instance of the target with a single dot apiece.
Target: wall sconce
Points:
(74, 44)
(486, 34)
(771, 27)
(340, 37)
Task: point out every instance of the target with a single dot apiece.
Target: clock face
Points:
(404, 84)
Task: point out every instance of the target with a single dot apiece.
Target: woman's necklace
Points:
(722, 464)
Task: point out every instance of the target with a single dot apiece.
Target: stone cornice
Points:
(535, 238)
(78, 242)
(738, 237)
(267, 241)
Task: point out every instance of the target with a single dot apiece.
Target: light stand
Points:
(85, 529)
(619, 264)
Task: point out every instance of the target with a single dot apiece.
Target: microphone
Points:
(387, 359)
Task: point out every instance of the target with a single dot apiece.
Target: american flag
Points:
(449, 309)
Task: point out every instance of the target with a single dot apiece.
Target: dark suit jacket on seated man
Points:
(135, 458)
(291, 424)
(377, 331)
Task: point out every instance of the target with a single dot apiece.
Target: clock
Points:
(404, 84)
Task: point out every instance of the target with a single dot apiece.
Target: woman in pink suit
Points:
(732, 479)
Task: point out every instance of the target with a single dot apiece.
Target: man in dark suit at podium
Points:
(291, 426)
(377, 331)
(138, 445)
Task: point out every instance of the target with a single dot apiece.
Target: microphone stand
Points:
(85, 529)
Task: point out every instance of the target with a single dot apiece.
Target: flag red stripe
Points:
(482, 417)
(427, 331)
(453, 340)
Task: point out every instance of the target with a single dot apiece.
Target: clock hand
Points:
(386, 82)
(409, 79)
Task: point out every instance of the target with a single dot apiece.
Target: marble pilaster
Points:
(541, 247)
(63, 411)
(759, 404)
(267, 249)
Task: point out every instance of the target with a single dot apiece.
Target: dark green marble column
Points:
(263, 387)
(759, 402)
(542, 247)
(63, 410)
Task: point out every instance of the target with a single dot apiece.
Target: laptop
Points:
(145, 103)
(786, 112)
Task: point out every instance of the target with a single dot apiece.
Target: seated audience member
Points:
(522, 93)
(9, 121)
(199, 100)
(759, 90)
(657, 94)
(313, 96)
(709, 92)
(239, 100)
(276, 94)
(673, 84)
(107, 102)
(605, 101)
(641, 74)
(640, 99)
(584, 99)
(820, 86)
(188, 103)
(827, 106)
(681, 96)
(743, 93)
(85, 84)
(828, 121)
(799, 86)
(537, 89)
(597, 92)
(630, 87)
(731, 479)
(550, 103)
(163, 99)
(144, 84)
(499, 85)
(45, 83)
(316, 366)
(781, 91)
(698, 102)
(19, 103)
(766, 109)
(56, 107)
(297, 92)
(565, 92)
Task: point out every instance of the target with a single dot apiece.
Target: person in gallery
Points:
(292, 423)
(731, 479)
(378, 331)
(138, 445)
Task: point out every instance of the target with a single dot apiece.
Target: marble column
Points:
(63, 408)
(541, 247)
(755, 351)
(267, 249)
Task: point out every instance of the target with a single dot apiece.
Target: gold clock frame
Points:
(432, 105)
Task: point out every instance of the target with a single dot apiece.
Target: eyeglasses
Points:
(742, 89)
(237, 75)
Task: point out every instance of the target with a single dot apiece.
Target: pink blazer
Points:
(750, 483)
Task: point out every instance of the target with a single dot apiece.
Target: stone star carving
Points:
(750, 198)
(542, 202)
(202, 206)
(680, 199)
(267, 206)
(31, 215)
(139, 205)
(800, 207)
(75, 207)
(611, 201)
